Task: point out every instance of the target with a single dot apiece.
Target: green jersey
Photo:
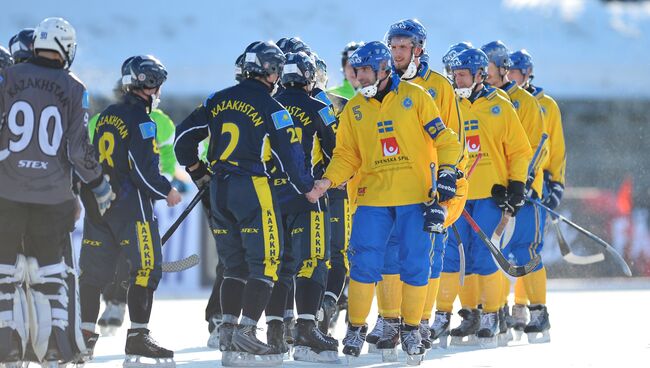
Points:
(345, 90)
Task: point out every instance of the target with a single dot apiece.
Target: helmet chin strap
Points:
(411, 69)
(371, 90)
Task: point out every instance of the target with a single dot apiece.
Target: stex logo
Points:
(389, 146)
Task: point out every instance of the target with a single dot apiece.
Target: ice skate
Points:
(487, 334)
(440, 330)
(289, 332)
(330, 309)
(387, 344)
(248, 350)
(412, 344)
(312, 346)
(425, 332)
(505, 335)
(111, 319)
(353, 342)
(142, 351)
(375, 335)
(465, 333)
(213, 324)
(90, 340)
(10, 353)
(537, 328)
(275, 337)
(520, 320)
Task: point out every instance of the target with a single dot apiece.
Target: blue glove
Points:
(554, 195)
(103, 195)
(434, 217)
(446, 186)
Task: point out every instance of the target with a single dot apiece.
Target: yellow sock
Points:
(535, 283)
(520, 292)
(505, 288)
(469, 292)
(359, 301)
(432, 293)
(490, 286)
(448, 290)
(380, 302)
(413, 298)
(390, 289)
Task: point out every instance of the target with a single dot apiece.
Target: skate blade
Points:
(306, 354)
(12, 364)
(504, 338)
(136, 361)
(213, 341)
(50, 364)
(241, 359)
(488, 342)
(107, 331)
(351, 360)
(470, 340)
(415, 359)
(441, 342)
(388, 355)
(534, 338)
(517, 334)
(372, 349)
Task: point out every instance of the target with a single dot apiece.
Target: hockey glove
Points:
(516, 196)
(554, 194)
(201, 175)
(446, 186)
(434, 217)
(103, 195)
(499, 196)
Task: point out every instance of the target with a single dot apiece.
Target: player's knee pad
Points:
(49, 295)
(14, 314)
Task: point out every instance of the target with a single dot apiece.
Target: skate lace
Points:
(488, 319)
(390, 329)
(378, 330)
(354, 337)
(536, 317)
(440, 321)
(412, 336)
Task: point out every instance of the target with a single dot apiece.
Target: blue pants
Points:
(371, 229)
(528, 238)
(478, 259)
(391, 258)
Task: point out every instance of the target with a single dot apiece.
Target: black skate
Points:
(387, 344)
(111, 319)
(226, 331)
(11, 355)
(289, 332)
(213, 324)
(353, 341)
(487, 334)
(426, 334)
(440, 329)
(248, 350)
(90, 340)
(375, 335)
(520, 320)
(275, 337)
(312, 346)
(412, 344)
(505, 335)
(330, 309)
(143, 351)
(465, 333)
(537, 328)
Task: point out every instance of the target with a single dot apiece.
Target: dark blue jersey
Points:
(126, 148)
(315, 124)
(247, 129)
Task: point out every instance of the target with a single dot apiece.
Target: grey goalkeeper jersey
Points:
(43, 136)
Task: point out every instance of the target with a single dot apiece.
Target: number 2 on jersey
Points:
(233, 131)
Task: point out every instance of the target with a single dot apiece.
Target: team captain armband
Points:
(281, 119)
(434, 127)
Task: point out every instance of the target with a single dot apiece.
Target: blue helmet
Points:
(21, 45)
(497, 52)
(262, 59)
(473, 59)
(411, 28)
(454, 50)
(146, 72)
(299, 70)
(292, 44)
(523, 61)
(5, 58)
(372, 54)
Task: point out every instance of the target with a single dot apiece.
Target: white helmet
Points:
(56, 34)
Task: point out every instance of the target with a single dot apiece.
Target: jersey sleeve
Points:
(445, 140)
(165, 140)
(189, 135)
(79, 150)
(450, 112)
(516, 145)
(556, 164)
(144, 160)
(346, 159)
(287, 149)
(92, 124)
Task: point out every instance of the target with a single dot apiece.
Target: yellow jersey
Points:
(390, 145)
(556, 164)
(492, 128)
(531, 118)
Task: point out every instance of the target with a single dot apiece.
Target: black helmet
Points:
(348, 50)
(299, 70)
(292, 44)
(5, 58)
(262, 59)
(146, 72)
(21, 45)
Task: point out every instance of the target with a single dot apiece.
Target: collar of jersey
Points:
(537, 91)
(133, 99)
(510, 87)
(253, 83)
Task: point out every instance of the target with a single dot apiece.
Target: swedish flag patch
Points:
(148, 129)
(327, 115)
(281, 119)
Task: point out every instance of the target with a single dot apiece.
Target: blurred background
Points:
(592, 56)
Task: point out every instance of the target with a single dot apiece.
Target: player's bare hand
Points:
(173, 198)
